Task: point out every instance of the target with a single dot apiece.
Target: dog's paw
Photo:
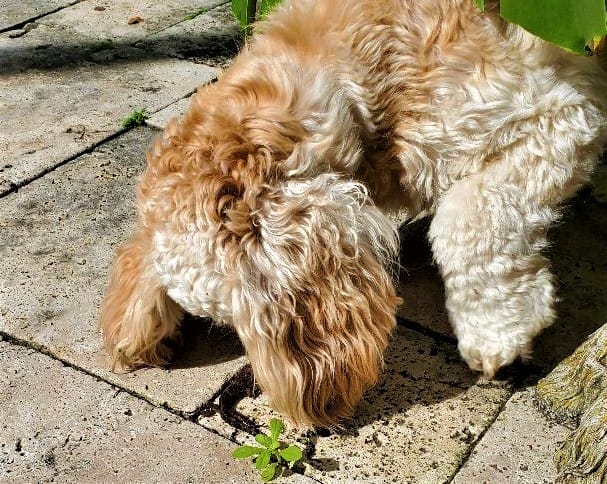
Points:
(488, 356)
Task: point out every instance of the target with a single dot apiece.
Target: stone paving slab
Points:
(176, 110)
(59, 234)
(73, 83)
(417, 425)
(14, 12)
(60, 425)
(519, 447)
(109, 19)
(212, 38)
(579, 262)
(54, 114)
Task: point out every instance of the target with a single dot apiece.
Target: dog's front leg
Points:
(487, 240)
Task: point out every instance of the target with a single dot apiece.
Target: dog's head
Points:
(291, 253)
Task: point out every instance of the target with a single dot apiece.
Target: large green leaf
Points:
(568, 23)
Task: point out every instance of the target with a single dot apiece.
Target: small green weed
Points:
(196, 13)
(270, 459)
(136, 118)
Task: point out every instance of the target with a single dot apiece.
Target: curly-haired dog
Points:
(266, 207)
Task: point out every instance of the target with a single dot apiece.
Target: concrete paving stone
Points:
(59, 235)
(108, 20)
(176, 110)
(518, 447)
(14, 12)
(50, 114)
(212, 38)
(65, 426)
(416, 425)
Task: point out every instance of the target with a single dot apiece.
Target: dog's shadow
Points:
(579, 262)
(203, 343)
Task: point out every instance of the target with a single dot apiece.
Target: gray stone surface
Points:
(176, 110)
(59, 234)
(67, 86)
(64, 426)
(416, 425)
(13, 12)
(61, 99)
(108, 20)
(212, 38)
(519, 447)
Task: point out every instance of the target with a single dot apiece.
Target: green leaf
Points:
(267, 6)
(244, 11)
(245, 451)
(570, 24)
(480, 4)
(269, 472)
(264, 440)
(263, 460)
(291, 453)
(276, 427)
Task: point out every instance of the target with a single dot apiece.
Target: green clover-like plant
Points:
(273, 457)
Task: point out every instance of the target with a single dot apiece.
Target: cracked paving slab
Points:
(14, 12)
(519, 446)
(59, 235)
(65, 426)
(62, 93)
(417, 425)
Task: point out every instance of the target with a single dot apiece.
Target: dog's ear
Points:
(316, 304)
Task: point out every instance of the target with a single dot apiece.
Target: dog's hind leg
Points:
(137, 316)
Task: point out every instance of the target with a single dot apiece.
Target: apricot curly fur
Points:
(268, 207)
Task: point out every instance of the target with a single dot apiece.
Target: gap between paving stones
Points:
(4, 336)
(466, 456)
(23, 23)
